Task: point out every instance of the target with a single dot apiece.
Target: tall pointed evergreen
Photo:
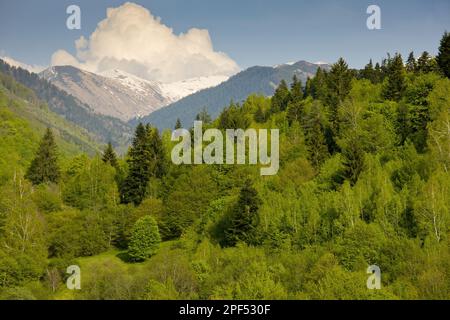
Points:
(296, 89)
(44, 167)
(178, 124)
(308, 88)
(424, 63)
(109, 156)
(145, 160)
(280, 98)
(443, 58)
(395, 86)
(378, 74)
(339, 84)
(411, 63)
(245, 216)
(368, 72)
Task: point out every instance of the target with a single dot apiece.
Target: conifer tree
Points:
(395, 86)
(443, 58)
(145, 160)
(109, 156)
(296, 90)
(319, 87)
(339, 85)
(204, 116)
(378, 75)
(260, 117)
(424, 63)
(315, 136)
(44, 167)
(145, 239)
(308, 88)
(280, 98)
(368, 72)
(411, 64)
(178, 124)
(245, 216)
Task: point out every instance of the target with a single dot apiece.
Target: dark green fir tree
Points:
(395, 86)
(44, 167)
(443, 58)
(109, 156)
(245, 217)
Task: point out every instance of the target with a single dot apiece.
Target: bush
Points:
(145, 239)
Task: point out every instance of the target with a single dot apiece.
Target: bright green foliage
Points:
(362, 180)
(144, 240)
(44, 167)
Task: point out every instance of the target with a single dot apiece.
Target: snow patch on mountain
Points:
(180, 89)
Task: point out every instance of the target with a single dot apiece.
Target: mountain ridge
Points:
(120, 94)
(257, 79)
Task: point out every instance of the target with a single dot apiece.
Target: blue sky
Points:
(251, 32)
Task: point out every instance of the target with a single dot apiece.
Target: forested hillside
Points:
(24, 117)
(102, 128)
(364, 180)
(254, 80)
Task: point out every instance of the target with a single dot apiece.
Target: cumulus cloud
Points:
(133, 40)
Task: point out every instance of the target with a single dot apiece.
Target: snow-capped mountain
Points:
(180, 89)
(258, 79)
(120, 94)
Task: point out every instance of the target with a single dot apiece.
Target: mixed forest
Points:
(364, 180)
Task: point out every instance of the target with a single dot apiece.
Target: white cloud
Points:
(32, 68)
(133, 40)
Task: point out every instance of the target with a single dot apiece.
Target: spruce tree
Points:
(424, 63)
(339, 84)
(308, 88)
(315, 136)
(395, 86)
(296, 90)
(44, 167)
(244, 219)
(368, 72)
(378, 74)
(109, 156)
(411, 64)
(204, 116)
(280, 98)
(260, 117)
(443, 58)
(178, 124)
(319, 89)
(145, 160)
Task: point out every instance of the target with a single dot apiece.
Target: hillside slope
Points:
(102, 128)
(260, 80)
(23, 119)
